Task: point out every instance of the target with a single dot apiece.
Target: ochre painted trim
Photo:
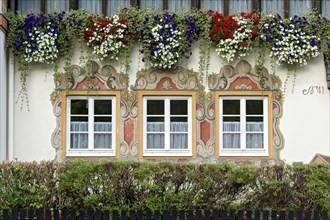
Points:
(89, 93)
(192, 94)
(269, 95)
(3, 23)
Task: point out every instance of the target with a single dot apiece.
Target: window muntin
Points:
(167, 122)
(243, 126)
(91, 125)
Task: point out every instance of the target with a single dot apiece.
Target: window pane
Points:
(298, 7)
(179, 107)
(214, 5)
(231, 107)
(155, 126)
(94, 6)
(254, 140)
(102, 107)
(79, 141)
(114, 5)
(25, 5)
(326, 8)
(236, 6)
(231, 141)
(254, 124)
(254, 107)
(155, 141)
(79, 125)
(179, 126)
(79, 107)
(103, 141)
(175, 5)
(60, 5)
(103, 126)
(179, 141)
(155, 107)
(270, 6)
(231, 124)
(152, 4)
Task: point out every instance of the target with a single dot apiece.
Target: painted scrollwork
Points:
(169, 79)
(244, 77)
(92, 73)
(91, 76)
(228, 74)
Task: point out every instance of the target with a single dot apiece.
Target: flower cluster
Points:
(234, 35)
(166, 38)
(290, 41)
(44, 38)
(108, 36)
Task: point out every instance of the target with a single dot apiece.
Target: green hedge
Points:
(159, 186)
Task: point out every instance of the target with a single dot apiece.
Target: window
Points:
(326, 8)
(272, 6)
(91, 125)
(167, 126)
(244, 125)
(108, 7)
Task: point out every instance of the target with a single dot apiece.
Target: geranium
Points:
(291, 41)
(108, 36)
(233, 36)
(44, 38)
(166, 38)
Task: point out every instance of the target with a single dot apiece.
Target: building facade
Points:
(237, 113)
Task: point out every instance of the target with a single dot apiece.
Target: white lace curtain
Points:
(212, 5)
(101, 140)
(270, 6)
(233, 140)
(236, 6)
(175, 5)
(326, 8)
(177, 140)
(24, 5)
(154, 4)
(60, 5)
(94, 6)
(298, 7)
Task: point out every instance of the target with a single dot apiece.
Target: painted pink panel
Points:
(94, 82)
(243, 81)
(205, 131)
(166, 83)
(128, 131)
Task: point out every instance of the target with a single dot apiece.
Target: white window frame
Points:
(243, 151)
(90, 151)
(167, 151)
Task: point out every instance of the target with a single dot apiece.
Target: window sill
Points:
(243, 153)
(77, 153)
(167, 153)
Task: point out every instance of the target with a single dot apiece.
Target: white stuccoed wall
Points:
(305, 121)
(3, 98)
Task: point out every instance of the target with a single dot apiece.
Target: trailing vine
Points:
(165, 37)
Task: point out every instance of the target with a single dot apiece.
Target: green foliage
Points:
(162, 186)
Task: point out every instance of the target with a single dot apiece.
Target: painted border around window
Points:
(116, 131)
(269, 95)
(141, 129)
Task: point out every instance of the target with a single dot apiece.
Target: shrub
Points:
(126, 185)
